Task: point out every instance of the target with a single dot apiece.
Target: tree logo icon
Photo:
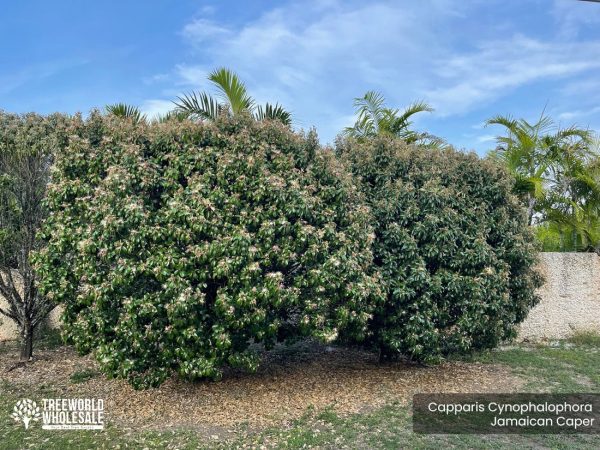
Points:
(25, 411)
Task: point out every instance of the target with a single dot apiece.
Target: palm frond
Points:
(175, 115)
(199, 106)
(428, 140)
(528, 185)
(370, 104)
(374, 118)
(412, 109)
(232, 89)
(545, 124)
(584, 135)
(370, 111)
(506, 121)
(126, 111)
(274, 112)
(363, 128)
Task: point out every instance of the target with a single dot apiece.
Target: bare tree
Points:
(27, 146)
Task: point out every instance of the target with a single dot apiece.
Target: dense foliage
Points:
(176, 246)
(452, 245)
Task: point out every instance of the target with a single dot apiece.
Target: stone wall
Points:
(8, 329)
(570, 297)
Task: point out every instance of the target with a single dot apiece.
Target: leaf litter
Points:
(289, 381)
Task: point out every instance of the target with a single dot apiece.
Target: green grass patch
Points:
(586, 338)
(13, 436)
(556, 369)
(390, 427)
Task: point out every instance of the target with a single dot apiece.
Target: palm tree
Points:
(124, 110)
(234, 100)
(572, 209)
(375, 119)
(536, 155)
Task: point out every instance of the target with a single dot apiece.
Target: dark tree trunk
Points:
(27, 345)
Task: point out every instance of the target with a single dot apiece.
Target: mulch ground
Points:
(289, 381)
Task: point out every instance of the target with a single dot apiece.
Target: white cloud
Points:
(155, 108)
(574, 16)
(486, 138)
(201, 30)
(35, 72)
(191, 75)
(570, 115)
(157, 78)
(582, 87)
(315, 56)
(208, 10)
(499, 67)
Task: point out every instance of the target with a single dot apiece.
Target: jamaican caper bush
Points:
(452, 245)
(174, 247)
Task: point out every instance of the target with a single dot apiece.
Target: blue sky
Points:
(470, 59)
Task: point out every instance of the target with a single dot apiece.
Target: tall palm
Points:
(374, 118)
(234, 100)
(535, 153)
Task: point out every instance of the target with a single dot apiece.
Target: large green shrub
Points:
(452, 245)
(176, 246)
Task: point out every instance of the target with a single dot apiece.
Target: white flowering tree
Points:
(176, 246)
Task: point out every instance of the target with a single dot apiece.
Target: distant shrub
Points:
(549, 238)
(564, 237)
(452, 245)
(176, 246)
